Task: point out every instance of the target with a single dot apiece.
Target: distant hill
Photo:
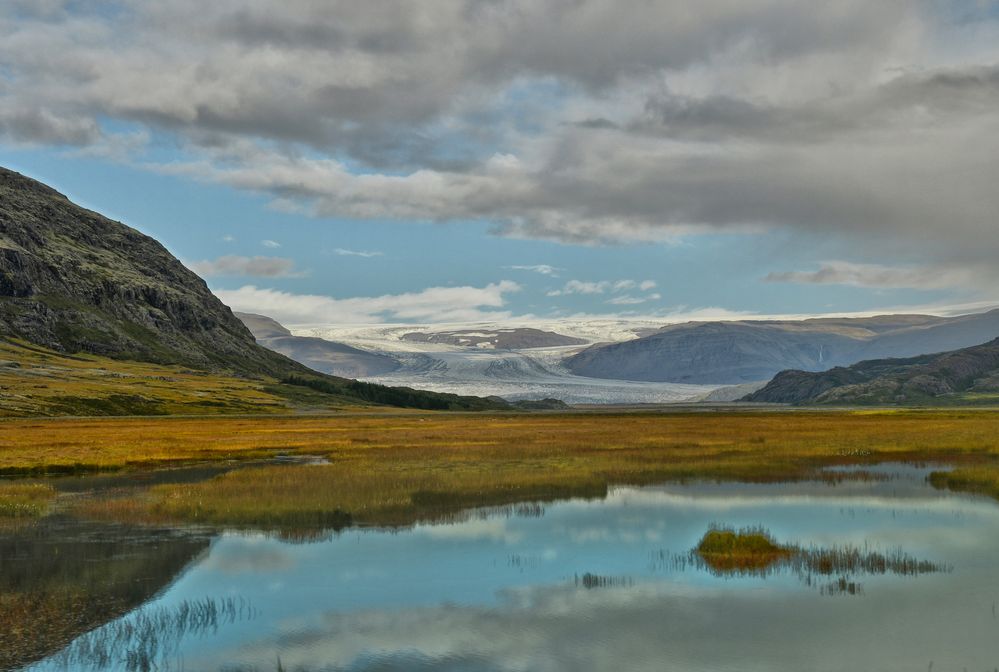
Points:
(729, 353)
(960, 376)
(317, 353)
(73, 281)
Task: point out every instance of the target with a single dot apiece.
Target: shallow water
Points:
(506, 589)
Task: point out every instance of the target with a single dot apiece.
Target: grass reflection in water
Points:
(149, 637)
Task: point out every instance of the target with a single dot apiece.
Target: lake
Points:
(573, 585)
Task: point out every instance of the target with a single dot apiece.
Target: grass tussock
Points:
(725, 550)
(750, 549)
(982, 479)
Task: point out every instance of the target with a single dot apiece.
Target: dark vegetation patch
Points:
(395, 396)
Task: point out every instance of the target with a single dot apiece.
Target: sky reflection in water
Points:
(500, 591)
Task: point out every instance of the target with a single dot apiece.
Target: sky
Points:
(326, 161)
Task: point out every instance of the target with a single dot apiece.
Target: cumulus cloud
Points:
(230, 264)
(568, 120)
(273, 244)
(434, 304)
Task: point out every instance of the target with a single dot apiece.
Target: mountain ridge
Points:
(968, 374)
(744, 351)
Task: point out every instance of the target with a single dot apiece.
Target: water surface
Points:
(505, 589)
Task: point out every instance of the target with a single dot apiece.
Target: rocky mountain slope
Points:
(319, 354)
(73, 281)
(737, 352)
(965, 375)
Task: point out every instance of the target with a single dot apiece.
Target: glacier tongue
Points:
(532, 373)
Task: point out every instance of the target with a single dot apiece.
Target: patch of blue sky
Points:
(965, 11)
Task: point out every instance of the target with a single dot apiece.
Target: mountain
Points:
(965, 375)
(728, 353)
(73, 281)
(514, 374)
(316, 353)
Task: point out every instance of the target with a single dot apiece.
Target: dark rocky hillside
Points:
(966, 375)
(74, 281)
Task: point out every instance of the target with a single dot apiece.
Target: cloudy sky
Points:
(439, 160)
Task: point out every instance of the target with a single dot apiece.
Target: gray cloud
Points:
(261, 267)
(874, 275)
(570, 120)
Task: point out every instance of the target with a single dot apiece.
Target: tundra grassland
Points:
(396, 469)
(36, 381)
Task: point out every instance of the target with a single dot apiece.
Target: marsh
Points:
(579, 584)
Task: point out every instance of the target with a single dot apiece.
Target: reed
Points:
(25, 500)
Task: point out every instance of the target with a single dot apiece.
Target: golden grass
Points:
(35, 381)
(397, 468)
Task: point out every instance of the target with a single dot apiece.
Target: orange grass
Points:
(397, 468)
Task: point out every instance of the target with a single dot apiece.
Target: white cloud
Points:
(629, 300)
(543, 269)
(434, 304)
(581, 287)
(273, 244)
(356, 253)
(230, 264)
(601, 287)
